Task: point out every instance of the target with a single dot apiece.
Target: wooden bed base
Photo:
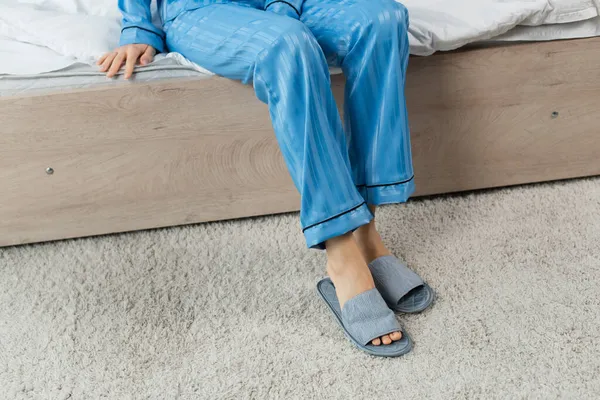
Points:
(142, 156)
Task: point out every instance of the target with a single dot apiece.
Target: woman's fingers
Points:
(132, 56)
(101, 59)
(148, 55)
(107, 61)
(116, 64)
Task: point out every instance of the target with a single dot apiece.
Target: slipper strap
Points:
(367, 317)
(393, 278)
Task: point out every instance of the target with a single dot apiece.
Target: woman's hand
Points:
(129, 54)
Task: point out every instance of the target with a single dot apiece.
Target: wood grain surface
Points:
(141, 156)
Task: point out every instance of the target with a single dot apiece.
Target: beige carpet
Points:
(229, 310)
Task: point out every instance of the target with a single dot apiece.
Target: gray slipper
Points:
(401, 288)
(366, 317)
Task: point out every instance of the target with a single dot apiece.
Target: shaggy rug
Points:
(229, 310)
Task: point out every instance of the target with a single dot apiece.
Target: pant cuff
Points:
(387, 193)
(348, 221)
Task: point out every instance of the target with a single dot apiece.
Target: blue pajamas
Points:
(338, 168)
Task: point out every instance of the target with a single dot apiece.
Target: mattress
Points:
(81, 76)
(572, 30)
(442, 25)
(173, 65)
(38, 37)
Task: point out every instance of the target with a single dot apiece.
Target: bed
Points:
(82, 155)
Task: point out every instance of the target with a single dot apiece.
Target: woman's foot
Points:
(369, 241)
(350, 274)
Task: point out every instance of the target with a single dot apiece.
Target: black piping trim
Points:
(144, 29)
(284, 2)
(389, 184)
(335, 216)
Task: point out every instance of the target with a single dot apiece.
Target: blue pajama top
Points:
(137, 17)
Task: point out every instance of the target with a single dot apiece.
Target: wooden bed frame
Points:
(140, 156)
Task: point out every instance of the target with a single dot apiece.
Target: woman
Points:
(342, 172)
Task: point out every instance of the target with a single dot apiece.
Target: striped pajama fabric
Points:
(338, 168)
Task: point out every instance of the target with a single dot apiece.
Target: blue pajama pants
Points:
(338, 168)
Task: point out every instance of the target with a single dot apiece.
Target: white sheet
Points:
(79, 76)
(53, 34)
(442, 25)
(572, 30)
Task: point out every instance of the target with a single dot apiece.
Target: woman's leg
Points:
(368, 39)
(369, 241)
(289, 72)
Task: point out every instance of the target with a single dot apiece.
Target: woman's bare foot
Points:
(369, 241)
(350, 274)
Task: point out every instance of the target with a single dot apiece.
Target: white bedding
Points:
(442, 25)
(38, 36)
(80, 76)
(571, 30)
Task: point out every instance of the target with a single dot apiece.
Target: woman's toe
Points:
(386, 339)
(396, 336)
(376, 342)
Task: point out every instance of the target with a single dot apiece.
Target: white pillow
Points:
(20, 58)
(103, 8)
(82, 36)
